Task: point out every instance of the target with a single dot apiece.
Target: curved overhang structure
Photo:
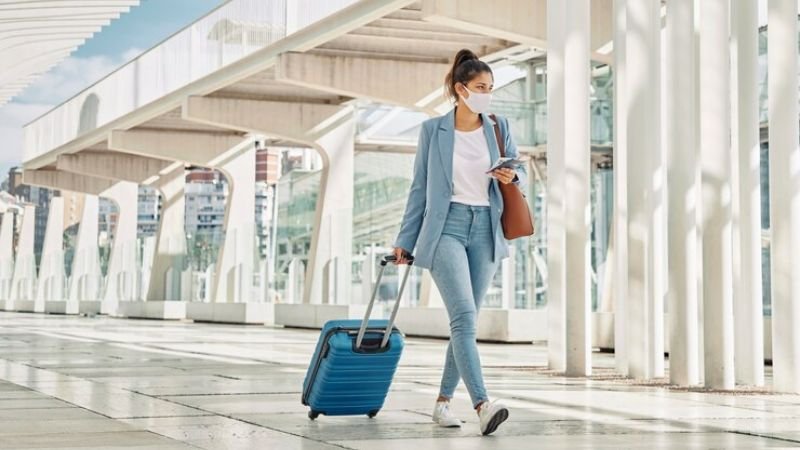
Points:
(35, 35)
(261, 54)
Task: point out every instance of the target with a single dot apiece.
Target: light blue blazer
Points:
(432, 187)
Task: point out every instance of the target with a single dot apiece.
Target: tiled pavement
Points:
(100, 383)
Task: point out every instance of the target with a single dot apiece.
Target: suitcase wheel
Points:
(313, 414)
(372, 414)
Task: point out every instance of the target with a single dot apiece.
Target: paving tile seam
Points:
(187, 442)
(764, 435)
(111, 342)
(161, 396)
(194, 352)
(228, 377)
(210, 414)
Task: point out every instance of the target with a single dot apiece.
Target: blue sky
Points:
(146, 25)
(134, 32)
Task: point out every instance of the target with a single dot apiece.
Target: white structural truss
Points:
(35, 35)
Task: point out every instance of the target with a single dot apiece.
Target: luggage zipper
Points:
(322, 354)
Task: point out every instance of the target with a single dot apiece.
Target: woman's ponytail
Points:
(466, 66)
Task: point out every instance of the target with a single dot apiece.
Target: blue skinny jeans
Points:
(463, 270)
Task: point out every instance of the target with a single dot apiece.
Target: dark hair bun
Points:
(464, 55)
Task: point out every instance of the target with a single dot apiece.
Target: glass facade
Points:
(298, 191)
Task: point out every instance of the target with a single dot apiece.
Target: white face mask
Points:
(477, 102)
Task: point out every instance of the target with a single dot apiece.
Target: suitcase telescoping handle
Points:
(386, 260)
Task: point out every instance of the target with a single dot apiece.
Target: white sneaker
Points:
(443, 416)
(491, 415)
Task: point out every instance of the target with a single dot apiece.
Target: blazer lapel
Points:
(446, 141)
(494, 151)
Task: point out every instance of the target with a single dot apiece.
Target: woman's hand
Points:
(504, 175)
(400, 256)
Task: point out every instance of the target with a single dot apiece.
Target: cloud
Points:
(12, 117)
(59, 84)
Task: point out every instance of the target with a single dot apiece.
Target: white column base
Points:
(25, 306)
(153, 309)
(238, 313)
(64, 307)
(302, 315)
(90, 307)
(494, 325)
(603, 324)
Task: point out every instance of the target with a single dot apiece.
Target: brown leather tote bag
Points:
(517, 219)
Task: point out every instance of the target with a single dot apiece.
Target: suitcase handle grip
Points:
(387, 333)
(391, 258)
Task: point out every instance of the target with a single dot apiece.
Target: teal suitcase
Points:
(354, 362)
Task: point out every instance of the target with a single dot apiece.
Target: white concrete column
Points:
(6, 255)
(22, 285)
(429, 295)
(121, 273)
(171, 240)
(509, 276)
(295, 281)
(330, 282)
(716, 184)
(620, 220)
(264, 274)
(569, 175)
(333, 229)
(405, 300)
(643, 76)
(51, 265)
(85, 277)
(556, 225)
(684, 198)
(747, 296)
(577, 181)
(784, 191)
(234, 267)
(148, 252)
(369, 271)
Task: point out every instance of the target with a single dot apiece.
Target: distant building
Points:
(268, 163)
(206, 191)
(206, 194)
(147, 211)
(107, 221)
(39, 197)
(268, 173)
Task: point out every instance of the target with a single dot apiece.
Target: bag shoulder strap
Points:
(497, 135)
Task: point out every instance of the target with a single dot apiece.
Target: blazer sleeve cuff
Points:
(406, 244)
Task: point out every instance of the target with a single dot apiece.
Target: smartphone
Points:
(505, 162)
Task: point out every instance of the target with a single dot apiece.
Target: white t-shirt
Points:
(470, 163)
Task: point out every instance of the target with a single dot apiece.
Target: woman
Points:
(452, 218)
